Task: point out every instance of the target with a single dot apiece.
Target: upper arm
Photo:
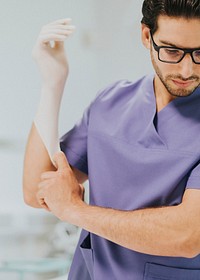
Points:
(80, 176)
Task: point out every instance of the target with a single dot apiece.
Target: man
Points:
(138, 144)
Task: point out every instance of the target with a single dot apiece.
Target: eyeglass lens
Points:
(175, 55)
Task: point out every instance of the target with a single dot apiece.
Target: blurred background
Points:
(105, 47)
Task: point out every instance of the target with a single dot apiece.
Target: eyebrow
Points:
(169, 44)
(166, 43)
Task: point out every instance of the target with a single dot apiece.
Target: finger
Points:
(61, 21)
(61, 161)
(57, 31)
(57, 28)
(45, 184)
(54, 37)
(43, 204)
(64, 30)
(41, 200)
(48, 175)
(41, 185)
(63, 27)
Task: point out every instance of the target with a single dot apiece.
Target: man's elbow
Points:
(30, 199)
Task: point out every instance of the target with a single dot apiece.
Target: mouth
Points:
(183, 84)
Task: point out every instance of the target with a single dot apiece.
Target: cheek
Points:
(166, 69)
(163, 69)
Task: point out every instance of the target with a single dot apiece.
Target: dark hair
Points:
(152, 9)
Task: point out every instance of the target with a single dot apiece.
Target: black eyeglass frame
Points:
(185, 51)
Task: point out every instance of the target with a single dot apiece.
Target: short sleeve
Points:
(74, 143)
(194, 178)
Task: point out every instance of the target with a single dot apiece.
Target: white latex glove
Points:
(49, 54)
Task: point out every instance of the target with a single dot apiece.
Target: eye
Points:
(197, 53)
(173, 52)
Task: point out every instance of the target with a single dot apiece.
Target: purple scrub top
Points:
(135, 158)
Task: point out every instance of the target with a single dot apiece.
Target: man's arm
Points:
(167, 231)
(37, 161)
(43, 137)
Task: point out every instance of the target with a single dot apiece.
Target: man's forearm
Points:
(158, 231)
(41, 138)
(166, 231)
(36, 161)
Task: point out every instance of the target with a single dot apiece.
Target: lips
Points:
(183, 84)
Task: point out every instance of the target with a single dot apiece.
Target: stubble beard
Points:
(166, 82)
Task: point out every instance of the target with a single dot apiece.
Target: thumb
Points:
(60, 161)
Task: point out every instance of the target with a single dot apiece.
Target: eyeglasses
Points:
(173, 54)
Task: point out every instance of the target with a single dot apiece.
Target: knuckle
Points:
(65, 173)
(62, 174)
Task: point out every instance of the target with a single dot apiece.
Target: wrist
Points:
(76, 214)
(47, 116)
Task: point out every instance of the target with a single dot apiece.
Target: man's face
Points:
(183, 78)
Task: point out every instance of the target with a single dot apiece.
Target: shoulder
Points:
(122, 90)
(118, 104)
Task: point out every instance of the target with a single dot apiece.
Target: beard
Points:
(167, 81)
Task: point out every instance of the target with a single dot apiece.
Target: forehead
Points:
(179, 31)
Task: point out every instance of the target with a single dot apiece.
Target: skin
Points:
(174, 230)
(166, 231)
(53, 67)
(174, 80)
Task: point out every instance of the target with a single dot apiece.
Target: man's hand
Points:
(59, 191)
(174, 229)
(51, 58)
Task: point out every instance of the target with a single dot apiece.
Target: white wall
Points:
(105, 47)
(20, 23)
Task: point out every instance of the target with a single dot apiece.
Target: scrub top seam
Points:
(97, 134)
(80, 157)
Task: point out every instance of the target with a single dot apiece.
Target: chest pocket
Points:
(160, 272)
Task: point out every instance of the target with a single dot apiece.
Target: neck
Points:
(163, 97)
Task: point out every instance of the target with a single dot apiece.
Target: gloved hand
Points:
(49, 54)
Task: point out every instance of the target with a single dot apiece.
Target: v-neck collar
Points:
(150, 137)
(173, 107)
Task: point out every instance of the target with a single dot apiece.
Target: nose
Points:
(186, 66)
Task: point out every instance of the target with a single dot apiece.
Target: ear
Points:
(145, 33)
